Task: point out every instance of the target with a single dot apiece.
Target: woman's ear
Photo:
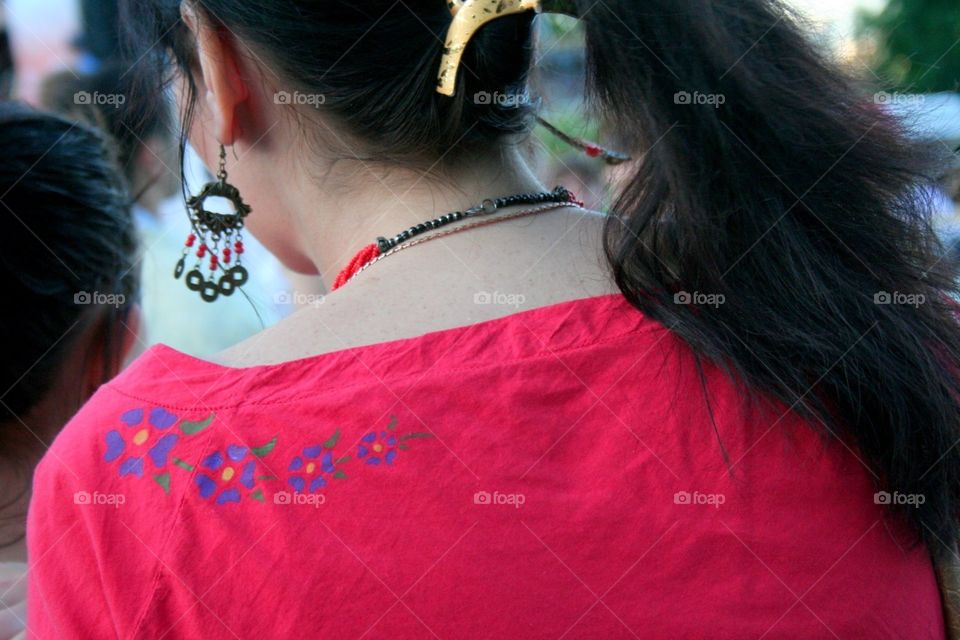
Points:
(221, 85)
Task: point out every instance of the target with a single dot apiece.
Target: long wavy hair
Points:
(768, 180)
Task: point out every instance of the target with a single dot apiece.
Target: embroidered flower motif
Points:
(374, 449)
(147, 439)
(141, 446)
(383, 447)
(227, 476)
(136, 443)
(312, 470)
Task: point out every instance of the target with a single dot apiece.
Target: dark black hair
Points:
(768, 180)
(67, 252)
(394, 77)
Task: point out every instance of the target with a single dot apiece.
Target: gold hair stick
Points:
(470, 15)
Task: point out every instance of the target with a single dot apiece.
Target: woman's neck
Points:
(358, 201)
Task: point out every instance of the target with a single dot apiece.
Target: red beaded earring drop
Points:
(220, 238)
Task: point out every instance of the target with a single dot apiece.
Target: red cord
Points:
(364, 257)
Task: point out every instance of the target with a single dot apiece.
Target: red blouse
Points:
(551, 474)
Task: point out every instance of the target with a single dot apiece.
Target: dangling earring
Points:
(220, 239)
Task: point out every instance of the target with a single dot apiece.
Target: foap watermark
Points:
(498, 298)
(696, 498)
(715, 100)
(899, 99)
(299, 299)
(298, 98)
(515, 500)
(98, 298)
(97, 499)
(907, 299)
(502, 99)
(899, 499)
(699, 299)
(97, 99)
(298, 499)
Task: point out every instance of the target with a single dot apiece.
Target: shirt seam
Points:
(161, 566)
(312, 394)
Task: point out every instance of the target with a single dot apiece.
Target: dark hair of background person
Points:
(65, 231)
(130, 123)
(797, 199)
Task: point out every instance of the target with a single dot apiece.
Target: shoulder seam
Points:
(312, 394)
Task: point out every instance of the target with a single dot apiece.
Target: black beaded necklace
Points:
(383, 245)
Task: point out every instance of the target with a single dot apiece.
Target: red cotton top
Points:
(551, 474)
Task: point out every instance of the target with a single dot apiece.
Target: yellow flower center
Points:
(228, 473)
(141, 437)
(311, 467)
(378, 447)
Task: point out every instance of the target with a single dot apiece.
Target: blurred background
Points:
(907, 52)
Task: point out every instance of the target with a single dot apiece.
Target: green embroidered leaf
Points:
(163, 479)
(342, 460)
(257, 495)
(416, 435)
(393, 423)
(183, 464)
(339, 475)
(192, 428)
(332, 442)
(265, 449)
(403, 447)
(266, 477)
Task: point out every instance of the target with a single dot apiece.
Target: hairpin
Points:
(470, 15)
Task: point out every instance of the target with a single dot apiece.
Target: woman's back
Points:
(555, 473)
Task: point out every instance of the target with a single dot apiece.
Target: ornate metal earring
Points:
(220, 238)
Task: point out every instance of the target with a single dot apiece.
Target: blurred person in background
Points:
(99, 40)
(6, 58)
(68, 277)
(948, 224)
(147, 152)
(737, 386)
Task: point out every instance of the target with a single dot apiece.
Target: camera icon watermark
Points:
(515, 500)
(699, 299)
(298, 98)
(299, 299)
(514, 300)
(97, 499)
(97, 99)
(696, 498)
(899, 99)
(97, 298)
(899, 499)
(687, 98)
(502, 99)
(297, 499)
(906, 299)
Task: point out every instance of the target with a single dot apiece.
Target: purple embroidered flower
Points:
(313, 470)
(375, 449)
(146, 440)
(135, 442)
(229, 475)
